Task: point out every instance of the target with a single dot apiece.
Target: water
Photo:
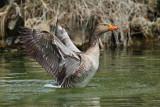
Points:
(126, 78)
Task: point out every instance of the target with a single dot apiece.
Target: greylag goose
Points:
(69, 68)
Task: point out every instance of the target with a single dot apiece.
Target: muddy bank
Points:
(135, 19)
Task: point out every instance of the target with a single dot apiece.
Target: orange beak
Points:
(111, 27)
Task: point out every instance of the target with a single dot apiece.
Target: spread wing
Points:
(50, 53)
(63, 36)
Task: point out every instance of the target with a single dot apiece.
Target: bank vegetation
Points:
(135, 19)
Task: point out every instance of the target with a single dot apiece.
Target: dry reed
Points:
(84, 14)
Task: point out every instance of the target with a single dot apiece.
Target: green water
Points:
(126, 78)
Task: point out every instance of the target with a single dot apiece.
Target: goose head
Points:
(104, 27)
(100, 29)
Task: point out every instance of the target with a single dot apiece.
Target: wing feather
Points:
(50, 53)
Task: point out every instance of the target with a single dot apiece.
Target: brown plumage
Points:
(69, 68)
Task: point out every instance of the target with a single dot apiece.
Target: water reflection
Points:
(126, 77)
